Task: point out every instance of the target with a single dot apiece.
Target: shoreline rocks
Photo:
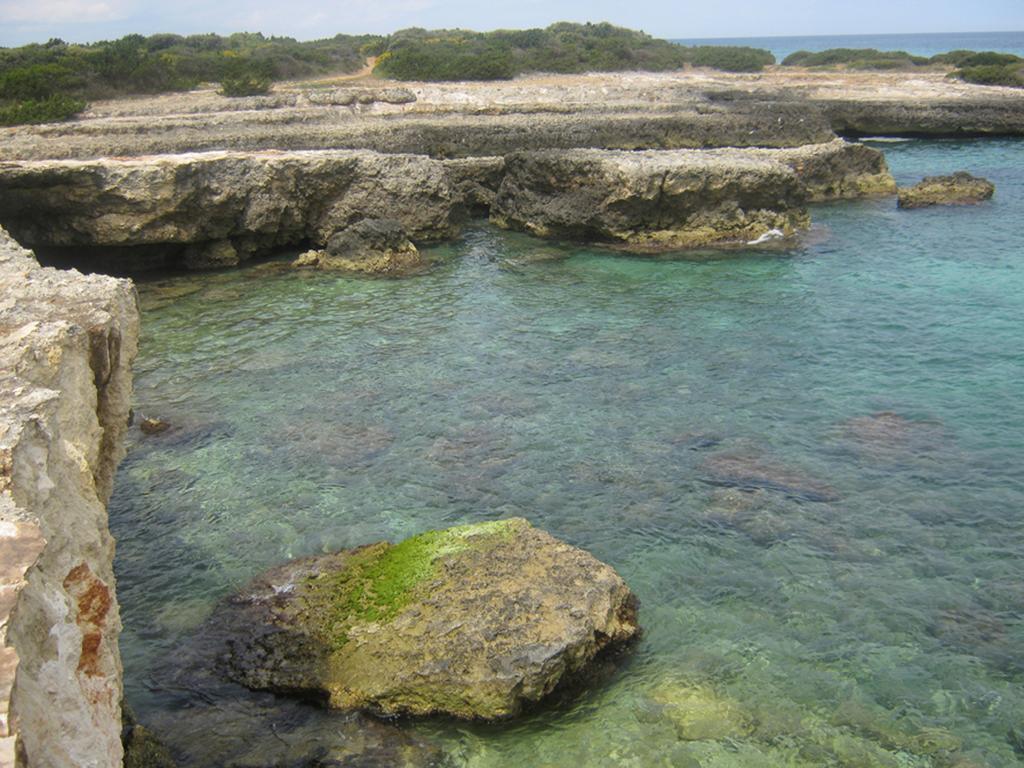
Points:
(960, 188)
(219, 209)
(649, 201)
(369, 247)
(66, 348)
(473, 622)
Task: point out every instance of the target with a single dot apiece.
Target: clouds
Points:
(57, 11)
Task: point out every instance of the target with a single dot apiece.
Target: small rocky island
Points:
(960, 188)
(475, 622)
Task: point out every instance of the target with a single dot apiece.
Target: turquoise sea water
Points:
(807, 465)
(920, 44)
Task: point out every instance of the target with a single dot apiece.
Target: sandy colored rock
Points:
(650, 201)
(221, 207)
(378, 247)
(474, 622)
(960, 188)
(780, 107)
(66, 345)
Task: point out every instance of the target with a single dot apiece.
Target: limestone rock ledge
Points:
(222, 207)
(665, 200)
(66, 345)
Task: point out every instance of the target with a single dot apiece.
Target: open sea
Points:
(809, 466)
(916, 44)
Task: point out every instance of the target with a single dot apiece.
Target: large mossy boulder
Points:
(960, 188)
(474, 622)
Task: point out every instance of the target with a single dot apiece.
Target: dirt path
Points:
(366, 73)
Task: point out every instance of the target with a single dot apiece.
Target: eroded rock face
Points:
(222, 207)
(369, 247)
(474, 622)
(66, 346)
(838, 170)
(960, 188)
(649, 201)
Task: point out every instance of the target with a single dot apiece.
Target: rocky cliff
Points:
(657, 200)
(66, 346)
(217, 209)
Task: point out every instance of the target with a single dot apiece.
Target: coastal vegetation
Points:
(55, 80)
(419, 54)
(981, 68)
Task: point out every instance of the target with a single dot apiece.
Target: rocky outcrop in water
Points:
(66, 349)
(369, 247)
(219, 208)
(649, 200)
(474, 622)
(960, 188)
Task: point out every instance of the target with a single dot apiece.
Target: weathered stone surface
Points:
(223, 206)
(838, 170)
(474, 622)
(960, 188)
(66, 346)
(650, 201)
(481, 126)
(369, 247)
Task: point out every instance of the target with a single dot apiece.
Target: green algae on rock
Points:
(473, 621)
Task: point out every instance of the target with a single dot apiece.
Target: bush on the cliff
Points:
(33, 76)
(49, 110)
(729, 58)
(419, 54)
(854, 58)
(992, 74)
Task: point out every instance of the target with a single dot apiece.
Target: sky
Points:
(25, 21)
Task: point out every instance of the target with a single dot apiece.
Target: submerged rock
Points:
(369, 247)
(153, 426)
(752, 473)
(699, 713)
(474, 621)
(961, 188)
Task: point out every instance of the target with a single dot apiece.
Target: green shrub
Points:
(49, 110)
(987, 59)
(729, 58)
(855, 58)
(419, 54)
(992, 74)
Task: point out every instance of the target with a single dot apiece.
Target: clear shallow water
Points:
(921, 44)
(857, 602)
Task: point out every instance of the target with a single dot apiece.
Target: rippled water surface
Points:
(808, 465)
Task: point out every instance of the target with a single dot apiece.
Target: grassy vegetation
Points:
(419, 54)
(53, 81)
(982, 68)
